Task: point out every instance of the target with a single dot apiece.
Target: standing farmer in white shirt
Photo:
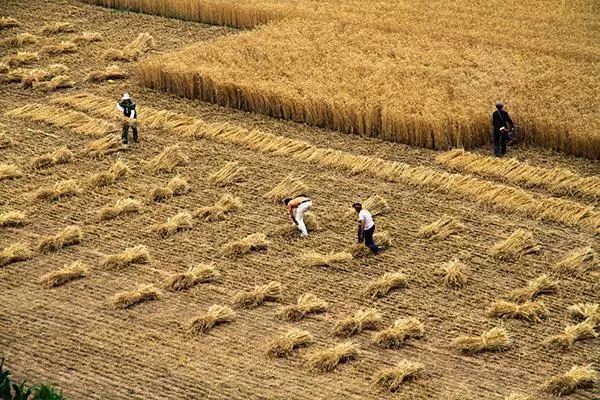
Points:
(297, 207)
(366, 228)
(127, 107)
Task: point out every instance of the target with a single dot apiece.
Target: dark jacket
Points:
(128, 106)
(500, 118)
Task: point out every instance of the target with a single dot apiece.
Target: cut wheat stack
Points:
(540, 285)
(118, 170)
(58, 82)
(61, 155)
(397, 334)
(381, 239)
(455, 274)
(112, 72)
(133, 255)
(87, 37)
(585, 311)
(573, 333)
(229, 173)
(225, 205)
(179, 222)
(518, 396)
(58, 27)
(196, 275)
(496, 339)
(60, 48)
(215, 315)
(578, 377)
(251, 243)
(9, 171)
(120, 207)
(21, 39)
(4, 69)
(107, 145)
(57, 192)
(518, 244)
(272, 292)
(441, 229)
(384, 284)
(313, 259)
(68, 273)
(21, 58)
(328, 359)
(288, 188)
(369, 319)
(5, 140)
(307, 304)
(175, 187)
(529, 310)
(143, 43)
(392, 378)
(376, 205)
(129, 299)
(284, 344)
(578, 261)
(69, 236)
(169, 159)
(14, 253)
(291, 230)
(12, 219)
(8, 22)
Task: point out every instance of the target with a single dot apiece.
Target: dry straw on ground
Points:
(58, 82)
(57, 192)
(540, 285)
(496, 339)
(307, 304)
(5, 140)
(12, 219)
(31, 77)
(518, 396)
(68, 273)
(397, 334)
(61, 155)
(369, 319)
(179, 222)
(133, 255)
(578, 377)
(225, 205)
(103, 146)
(455, 274)
(283, 345)
(20, 39)
(328, 359)
(518, 244)
(578, 261)
(215, 315)
(392, 378)
(60, 48)
(573, 333)
(376, 205)
(112, 72)
(384, 284)
(381, 239)
(313, 259)
(141, 294)
(229, 173)
(169, 159)
(196, 275)
(251, 243)
(272, 291)
(441, 229)
(14, 253)
(8, 22)
(87, 37)
(69, 236)
(118, 170)
(585, 311)
(58, 27)
(529, 310)
(143, 43)
(288, 188)
(21, 58)
(9, 171)
(120, 207)
(175, 187)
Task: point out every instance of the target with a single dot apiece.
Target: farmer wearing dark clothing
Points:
(502, 127)
(127, 107)
(366, 228)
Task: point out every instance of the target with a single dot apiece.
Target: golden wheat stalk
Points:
(518, 244)
(56, 192)
(518, 396)
(61, 155)
(69, 236)
(529, 310)
(118, 170)
(272, 291)
(229, 173)
(540, 285)
(196, 275)
(133, 255)
(225, 205)
(120, 207)
(103, 146)
(21, 39)
(215, 315)
(328, 359)
(178, 222)
(9, 171)
(143, 43)
(288, 188)
(112, 72)
(369, 319)
(58, 82)
(455, 274)
(177, 186)
(129, 299)
(441, 229)
(496, 339)
(169, 159)
(578, 377)
(68, 273)
(14, 253)
(384, 284)
(585, 311)
(399, 332)
(251, 243)
(21, 58)
(307, 304)
(284, 344)
(573, 333)
(578, 261)
(313, 259)
(392, 378)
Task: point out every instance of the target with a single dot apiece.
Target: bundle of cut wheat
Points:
(175, 187)
(384, 284)
(307, 304)
(251, 243)
(21, 58)
(198, 274)
(540, 285)
(8, 22)
(368, 319)
(112, 72)
(20, 39)
(170, 158)
(87, 37)
(392, 378)
(376, 205)
(397, 334)
(60, 48)
(9, 171)
(118, 170)
(518, 396)
(225, 205)
(577, 377)
(585, 311)
(313, 259)
(59, 156)
(121, 207)
(328, 359)
(176, 223)
(287, 188)
(67, 237)
(133, 255)
(382, 239)
(578, 261)
(68, 273)
(58, 82)
(291, 230)
(215, 315)
(58, 191)
(229, 173)
(58, 27)
(12, 219)
(573, 333)
(143, 43)
(441, 229)
(455, 274)
(518, 244)
(14, 253)
(257, 296)
(529, 310)
(130, 298)
(496, 339)
(284, 344)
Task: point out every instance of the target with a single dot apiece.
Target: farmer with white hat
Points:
(503, 124)
(127, 107)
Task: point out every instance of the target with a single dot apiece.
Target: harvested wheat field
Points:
(169, 268)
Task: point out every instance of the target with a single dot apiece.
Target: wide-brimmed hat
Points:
(125, 96)
(499, 104)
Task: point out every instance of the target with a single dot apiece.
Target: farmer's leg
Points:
(135, 133)
(503, 138)
(302, 208)
(497, 144)
(369, 240)
(125, 135)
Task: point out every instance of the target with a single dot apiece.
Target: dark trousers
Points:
(125, 135)
(368, 239)
(500, 143)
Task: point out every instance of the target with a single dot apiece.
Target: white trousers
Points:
(302, 208)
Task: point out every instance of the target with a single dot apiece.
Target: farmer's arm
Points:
(291, 210)
(361, 230)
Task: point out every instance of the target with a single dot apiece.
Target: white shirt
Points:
(366, 216)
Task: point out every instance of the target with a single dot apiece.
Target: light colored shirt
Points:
(367, 218)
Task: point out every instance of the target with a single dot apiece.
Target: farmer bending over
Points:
(503, 125)
(366, 228)
(127, 107)
(297, 207)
